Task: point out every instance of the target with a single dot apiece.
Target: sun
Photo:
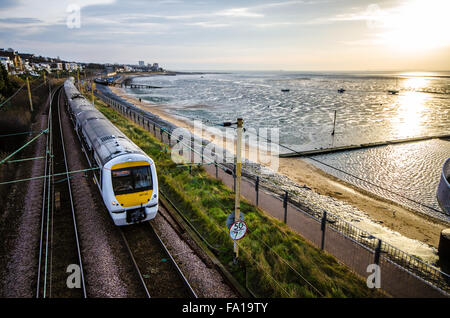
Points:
(417, 25)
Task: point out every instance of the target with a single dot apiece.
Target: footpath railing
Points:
(401, 274)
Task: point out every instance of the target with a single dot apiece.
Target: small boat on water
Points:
(341, 90)
(285, 90)
(443, 190)
(394, 91)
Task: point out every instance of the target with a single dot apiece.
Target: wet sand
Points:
(382, 217)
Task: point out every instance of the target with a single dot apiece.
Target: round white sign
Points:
(238, 230)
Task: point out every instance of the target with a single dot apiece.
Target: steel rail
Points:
(44, 193)
(166, 251)
(180, 273)
(71, 201)
(49, 194)
(141, 278)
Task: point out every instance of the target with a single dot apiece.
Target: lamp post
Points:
(237, 202)
(92, 91)
(78, 80)
(29, 95)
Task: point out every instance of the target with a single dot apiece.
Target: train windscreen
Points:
(130, 180)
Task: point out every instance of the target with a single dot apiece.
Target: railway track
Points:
(60, 269)
(158, 272)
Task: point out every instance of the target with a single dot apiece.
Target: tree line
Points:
(8, 85)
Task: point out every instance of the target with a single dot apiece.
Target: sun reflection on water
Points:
(411, 114)
(415, 83)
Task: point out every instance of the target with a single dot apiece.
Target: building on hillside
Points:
(7, 63)
(155, 67)
(66, 67)
(57, 66)
(13, 57)
(43, 67)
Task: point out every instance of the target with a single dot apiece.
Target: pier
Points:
(134, 85)
(359, 146)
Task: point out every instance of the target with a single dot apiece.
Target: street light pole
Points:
(92, 91)
(78, 80)
(29, 95)
(237, 203)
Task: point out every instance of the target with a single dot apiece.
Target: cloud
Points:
(19, 20)
(8, 3)
(239, 12)
(208, 24)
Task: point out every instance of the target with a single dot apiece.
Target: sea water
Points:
(365, 112)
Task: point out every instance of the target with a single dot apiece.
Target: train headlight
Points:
(114, 203)
(155, 196)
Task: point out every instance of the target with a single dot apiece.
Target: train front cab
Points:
(130, 191)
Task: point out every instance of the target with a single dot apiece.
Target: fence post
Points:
(257, 190)
(192, 150)
(285, 200)
(377, 253)
(217, 170)
(323, 227)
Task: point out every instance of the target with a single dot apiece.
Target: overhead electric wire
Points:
(4, 102)
(21, 133)
(142, 115)
(26, 144)
(43, 83)
(321, 162)
(271, 249)
(48, 176)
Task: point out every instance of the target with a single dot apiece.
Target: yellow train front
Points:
(125, 175)
(130, 188)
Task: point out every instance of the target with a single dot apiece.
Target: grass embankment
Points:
(274, 261)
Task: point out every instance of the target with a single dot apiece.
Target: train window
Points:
(131, 180)
(142, 178)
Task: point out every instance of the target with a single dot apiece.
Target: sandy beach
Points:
(408, 230)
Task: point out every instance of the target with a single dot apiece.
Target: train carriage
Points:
(126, 176)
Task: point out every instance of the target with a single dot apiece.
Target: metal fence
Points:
(402, 275)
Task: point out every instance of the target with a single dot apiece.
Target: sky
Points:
(290, 35)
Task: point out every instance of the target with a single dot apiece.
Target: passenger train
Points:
(126, 176)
